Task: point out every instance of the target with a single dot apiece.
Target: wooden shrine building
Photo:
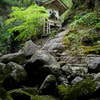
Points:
(55, 8)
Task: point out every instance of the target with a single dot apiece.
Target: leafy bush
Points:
(31, 19)
(90, 19)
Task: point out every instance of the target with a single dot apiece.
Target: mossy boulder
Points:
(18, 57)
(15, 76)
(4, 95)
(80, 91)
(50, 81)
(31, 90)
(18, 94)
(43, 97)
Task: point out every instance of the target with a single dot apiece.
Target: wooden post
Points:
(44, 26)
(49, 28)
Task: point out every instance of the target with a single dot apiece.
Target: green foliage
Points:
(89, 20)
(71, 36)
(79, 89)
(4, 35)
(26, 3)
(31, 19)
(53, 33)
(68, 3)
(4, 3)
(76, 17)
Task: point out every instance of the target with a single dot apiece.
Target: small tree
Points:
(30, 20)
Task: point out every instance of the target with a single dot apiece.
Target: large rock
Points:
(37, 69)
(48, 86)
(66, 70)
(29, 48)
(44, 57)
(18, 57)
(94, 64)
(44, 71)
(15, 76)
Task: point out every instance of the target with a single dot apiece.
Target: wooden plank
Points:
(49, 1)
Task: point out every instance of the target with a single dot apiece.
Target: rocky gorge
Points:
(48, 73)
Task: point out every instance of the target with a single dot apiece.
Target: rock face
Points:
(29, 48)
(15, 76)
(18, 57)
(94, 64)
(55, 46)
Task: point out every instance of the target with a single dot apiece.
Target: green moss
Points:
(46, 97)
(90, 50)
(62, 90)
(79, 89)
(66, 41)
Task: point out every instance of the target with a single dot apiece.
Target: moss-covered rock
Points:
(30, 90)
(15, 76)
(18, 57)
(18, 94)
(43, 97)
(4, 95)
(90, 49)
(80, 91)
(66, 41)
(45, 88)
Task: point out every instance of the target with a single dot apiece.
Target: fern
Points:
(31, 19)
